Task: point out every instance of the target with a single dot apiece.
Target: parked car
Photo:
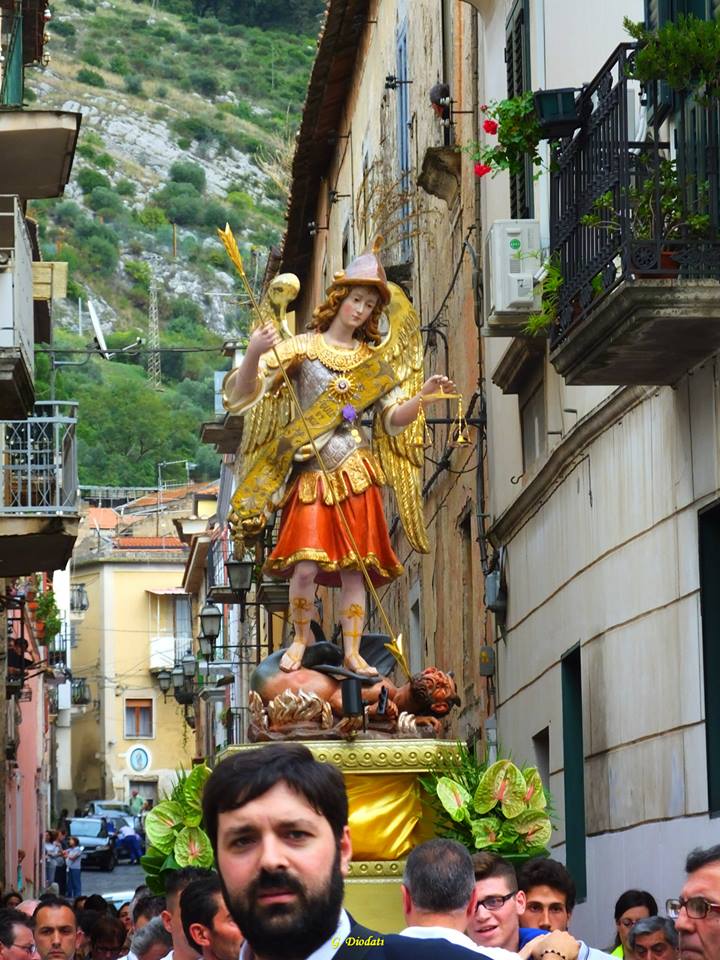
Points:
(112, 808)
(98, 846)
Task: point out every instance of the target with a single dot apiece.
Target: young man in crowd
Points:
(174, 886)
(549, 895)
(207, 922)
(17, 941)
(654, 938)
(500, 906)
(278, 822)
(56, 931)
(697, 911)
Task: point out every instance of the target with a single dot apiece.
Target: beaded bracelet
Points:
(555, 952)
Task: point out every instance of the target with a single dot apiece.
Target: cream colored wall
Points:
(127, 676)
(116, 632)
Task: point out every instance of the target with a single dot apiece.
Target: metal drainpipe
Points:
(477, 282)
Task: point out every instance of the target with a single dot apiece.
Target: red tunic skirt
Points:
(312, 531)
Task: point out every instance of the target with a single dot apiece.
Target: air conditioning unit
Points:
(512, 260)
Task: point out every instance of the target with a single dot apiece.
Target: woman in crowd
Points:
(631, 906)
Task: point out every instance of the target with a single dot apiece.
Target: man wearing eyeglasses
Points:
(653, 938)
(500, 905)
(16, 936)
(697, 910)
(56, 930)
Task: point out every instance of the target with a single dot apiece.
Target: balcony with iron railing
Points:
(635, 212)
(39, 504)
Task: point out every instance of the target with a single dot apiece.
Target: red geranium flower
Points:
(490, 126)
(482, 169)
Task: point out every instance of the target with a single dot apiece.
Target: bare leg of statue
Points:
(302, 596)
(352, 618)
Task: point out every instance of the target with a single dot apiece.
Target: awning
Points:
(167, 592)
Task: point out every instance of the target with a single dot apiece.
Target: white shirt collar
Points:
(324, 952)
(461, 939)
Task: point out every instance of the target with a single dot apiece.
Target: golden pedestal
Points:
(388, 816)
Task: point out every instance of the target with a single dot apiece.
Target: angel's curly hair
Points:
(324, 315)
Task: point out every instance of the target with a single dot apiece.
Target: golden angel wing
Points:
(401, 456)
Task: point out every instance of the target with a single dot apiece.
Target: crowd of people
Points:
(278, 822)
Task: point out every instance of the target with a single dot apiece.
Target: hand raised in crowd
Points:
(558, 945)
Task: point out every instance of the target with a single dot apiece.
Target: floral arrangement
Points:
(497, 807)
(515, 125)
(174, 831)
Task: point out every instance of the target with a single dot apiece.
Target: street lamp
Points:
(210, 620)
(177, 676)
(240, 577)
(165, 681)
(206, 646)
(188, 665)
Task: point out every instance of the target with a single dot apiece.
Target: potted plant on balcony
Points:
(515, 124)
(658, 213)
(684, 53)
(47, 617)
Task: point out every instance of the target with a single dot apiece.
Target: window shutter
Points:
(517, 65)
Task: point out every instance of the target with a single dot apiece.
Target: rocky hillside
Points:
(188, 123)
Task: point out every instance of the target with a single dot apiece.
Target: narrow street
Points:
(123, 879)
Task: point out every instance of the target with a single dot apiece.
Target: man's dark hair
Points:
(97, 903)
(50, 900)
(487, 865)
(9, 919)
(108, 929)
(439, 876)
(86, 920)
(245, 776)
(641, 928)
(177, 880)
(148, 907)
(547, 873)
(199, 902)
(699, 858)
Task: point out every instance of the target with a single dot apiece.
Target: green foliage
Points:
(549, 299)
(516, 138)
(658, 206)
(181, 202)
(174, 830)
(152, 217)
(193, 128)
(497, 807)
(48, 613)
(133, 85)
(101, 255)
(684, 52)
(63, 28)
(90, 77)
(184, 171)
(89, 179)
(119, 64)
(140, 271)
(105, 201)
(105, 160)
(204, 82)
(91, 57)
(126, 188)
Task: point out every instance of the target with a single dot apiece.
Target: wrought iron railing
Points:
(38, 462)
(80, 692)
(634, 194)
(57, 648)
